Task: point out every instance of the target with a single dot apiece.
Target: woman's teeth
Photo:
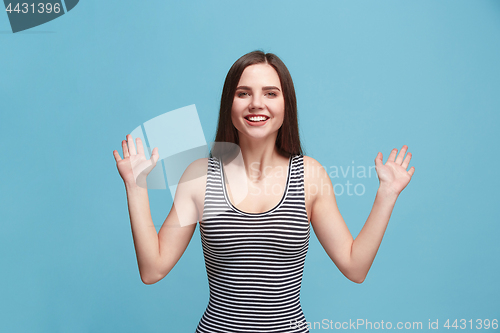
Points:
(256, 118)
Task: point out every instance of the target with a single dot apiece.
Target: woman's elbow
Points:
(358, 279)
(150, 278)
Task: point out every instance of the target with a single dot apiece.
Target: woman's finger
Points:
(117, 156)
(407, 160)
(411, 171)
(125, 149)
(140, 146)
(401, 155)
(379, 159)
(155, 155)
(392, 156)
(131, 145)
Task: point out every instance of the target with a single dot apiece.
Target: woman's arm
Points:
(354, 257)
(157, 253)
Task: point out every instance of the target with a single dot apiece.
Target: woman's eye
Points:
(240, 94)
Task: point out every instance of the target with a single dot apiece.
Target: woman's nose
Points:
(256, 102)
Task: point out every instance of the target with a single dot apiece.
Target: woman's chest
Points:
(266, 196)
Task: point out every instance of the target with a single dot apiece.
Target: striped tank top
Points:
(254, 261)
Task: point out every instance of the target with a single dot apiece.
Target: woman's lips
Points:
(256, 123)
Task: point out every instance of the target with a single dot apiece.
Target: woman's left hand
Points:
(392, 175)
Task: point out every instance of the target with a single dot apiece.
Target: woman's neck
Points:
(260, 156)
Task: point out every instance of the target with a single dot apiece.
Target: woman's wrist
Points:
(387, 192)
(132, 186)
(135, 184)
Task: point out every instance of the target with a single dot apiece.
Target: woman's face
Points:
(258, 93)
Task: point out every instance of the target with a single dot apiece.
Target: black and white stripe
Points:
(254, 261)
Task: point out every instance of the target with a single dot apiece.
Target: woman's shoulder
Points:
(194, 177)
(192, 184)
(314, 171)
(196, 169)
(310, 162)
(317, 182)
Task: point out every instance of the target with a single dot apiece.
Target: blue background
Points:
(369, 75)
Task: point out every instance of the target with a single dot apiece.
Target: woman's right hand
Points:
(134, 167)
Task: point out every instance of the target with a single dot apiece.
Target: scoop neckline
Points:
(226, 197)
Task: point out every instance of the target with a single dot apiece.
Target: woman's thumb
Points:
(378, 159)
(154, 155)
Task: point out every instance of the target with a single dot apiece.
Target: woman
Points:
(255, 226)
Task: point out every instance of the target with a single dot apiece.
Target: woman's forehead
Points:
(259, 75)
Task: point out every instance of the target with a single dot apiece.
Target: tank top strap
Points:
(214, 202)
(295, 202)
(297, 174)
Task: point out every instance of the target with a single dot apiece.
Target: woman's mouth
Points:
(256, 120)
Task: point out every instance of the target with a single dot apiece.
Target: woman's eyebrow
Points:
(263, 88)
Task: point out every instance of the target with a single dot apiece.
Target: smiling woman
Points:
(255, 242)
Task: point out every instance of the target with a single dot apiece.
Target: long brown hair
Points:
(287, 140)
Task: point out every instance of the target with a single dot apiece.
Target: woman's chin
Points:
(258, 135)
